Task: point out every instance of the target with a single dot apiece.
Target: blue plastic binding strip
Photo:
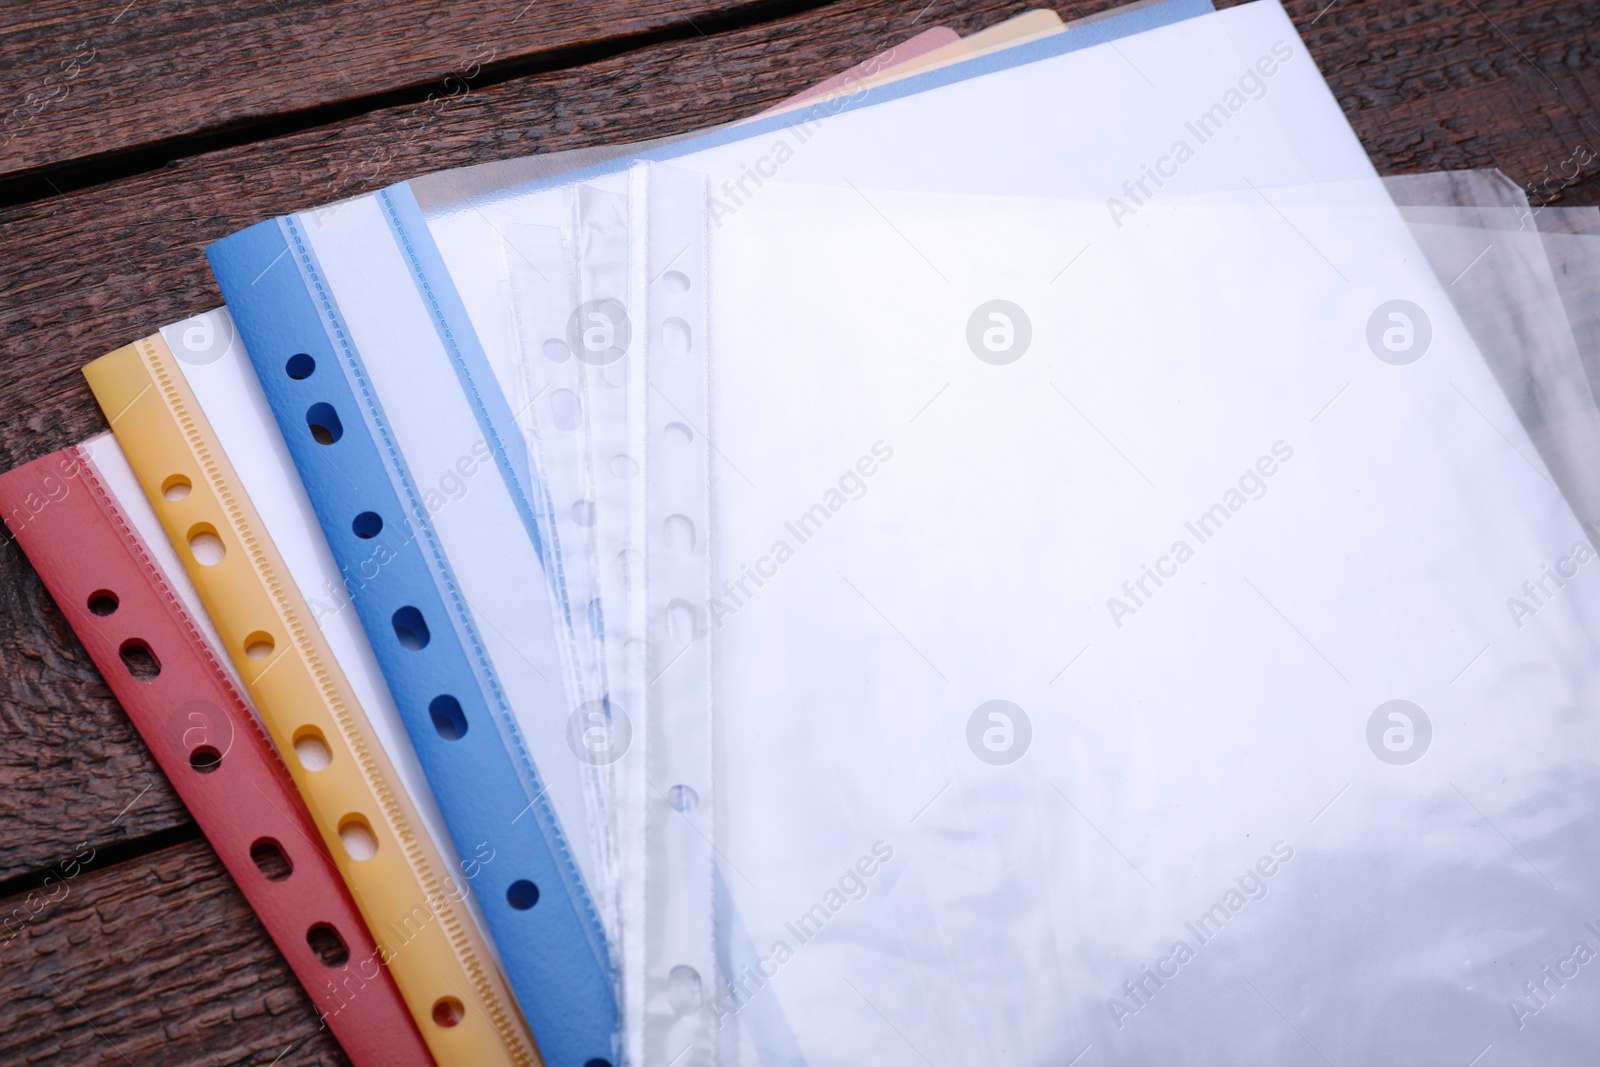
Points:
(554, 951)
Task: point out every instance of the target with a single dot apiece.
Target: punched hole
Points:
(176, 487)
(270, 860)
(448, 1012)
(311, 748)
(324, 423)
(300, 366)
(629, 563)
(448, 718)
(679, 533)
(683, 621)
(566, 409)
(204, 544)
(103, 602)
(597, 1063)
(522, 895)
(677, 282)
(355, 833)
(410, 629)
(683, 989)
(328, 945)
(683, 798)
(205, 759)
(140, 661)
(258, 645)
(676, 336)
(367, 525)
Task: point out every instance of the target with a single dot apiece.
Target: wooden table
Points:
(138, 134)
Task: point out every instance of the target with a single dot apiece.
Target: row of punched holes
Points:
(310, 746)
(144, 665)
(410, 628)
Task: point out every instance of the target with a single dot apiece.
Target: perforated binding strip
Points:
(670, 255)
(165, 672)
(411, 902)
(447, 690)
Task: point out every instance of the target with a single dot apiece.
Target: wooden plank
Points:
(158, 960)
(83, 82)
(83, 273)
(1435, 84)
(109, 266)
(1447, 86)
(1426, 84)
(72, 768)
(160, 955)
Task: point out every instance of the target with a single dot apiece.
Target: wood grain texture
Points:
(155, 961)
(1447, 85)
(164, 958)
(80, 82)
(1428, 85)
(88, 272)
(83, 273)
(72, 767)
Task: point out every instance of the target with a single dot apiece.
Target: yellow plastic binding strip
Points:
(432, 947)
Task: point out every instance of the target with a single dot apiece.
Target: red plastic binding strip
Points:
(200, 728)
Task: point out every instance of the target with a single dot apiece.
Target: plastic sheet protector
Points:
(1124, 745)
(946, 594)
(1478, 232)
(498, 623)
(1574, 257)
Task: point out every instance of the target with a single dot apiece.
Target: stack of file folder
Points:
(1030, 552)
